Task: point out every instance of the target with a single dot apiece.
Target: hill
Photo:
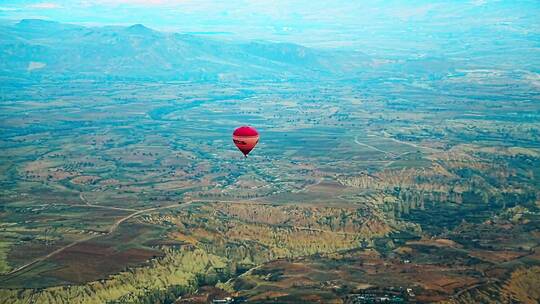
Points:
(39, 49)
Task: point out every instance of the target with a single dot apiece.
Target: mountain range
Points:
(39, 49)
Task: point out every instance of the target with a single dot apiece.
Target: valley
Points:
(96, 199)
(398, 158)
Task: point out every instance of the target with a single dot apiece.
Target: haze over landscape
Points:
(398, 157)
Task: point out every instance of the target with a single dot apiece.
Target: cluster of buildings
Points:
(375, 295)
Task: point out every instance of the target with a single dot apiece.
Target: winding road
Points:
(393, 155)
(388, 136)
(19, 270)
(87, 204)
(373, 148)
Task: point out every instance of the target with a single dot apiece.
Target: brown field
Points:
(496, 256)
(27, 252)
(436, 243)
(92, 261)
(85, 179)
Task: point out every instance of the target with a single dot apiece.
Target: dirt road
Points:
(19, 270)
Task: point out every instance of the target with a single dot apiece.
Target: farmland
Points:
(347, 190)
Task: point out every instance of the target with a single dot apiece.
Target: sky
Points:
(332, 23)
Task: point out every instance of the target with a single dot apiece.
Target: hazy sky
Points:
(322, 23)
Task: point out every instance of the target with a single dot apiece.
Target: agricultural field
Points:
(350, 192)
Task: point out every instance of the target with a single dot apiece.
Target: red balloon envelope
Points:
(245, 138)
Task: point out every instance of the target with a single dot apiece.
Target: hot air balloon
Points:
(245, 138)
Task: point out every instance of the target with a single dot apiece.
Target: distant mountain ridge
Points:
(36, 49)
